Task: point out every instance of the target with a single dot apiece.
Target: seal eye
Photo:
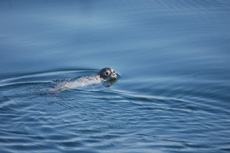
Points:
(106, 73)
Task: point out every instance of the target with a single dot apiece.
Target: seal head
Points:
(107, 74)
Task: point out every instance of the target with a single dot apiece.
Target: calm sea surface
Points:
(173, 61)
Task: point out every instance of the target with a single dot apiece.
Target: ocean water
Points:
(173, 62)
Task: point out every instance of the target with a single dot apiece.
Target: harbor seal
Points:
(104, 75)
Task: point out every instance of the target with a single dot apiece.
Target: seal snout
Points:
(114, 75)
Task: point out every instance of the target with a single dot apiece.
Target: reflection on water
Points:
(172, 94)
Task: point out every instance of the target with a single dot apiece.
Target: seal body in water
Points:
(104, 75)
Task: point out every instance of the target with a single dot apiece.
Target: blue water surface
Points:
(172, 57)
